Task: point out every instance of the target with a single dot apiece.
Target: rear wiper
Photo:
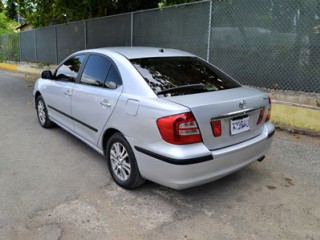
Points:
(199, 86)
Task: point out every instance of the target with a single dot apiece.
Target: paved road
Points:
(55, 187)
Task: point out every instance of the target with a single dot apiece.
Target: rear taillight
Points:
(179, 129)
(216, 128)
(269, 115)
(269, 111)
(261, 115)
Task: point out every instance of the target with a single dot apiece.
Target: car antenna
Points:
(161, 50)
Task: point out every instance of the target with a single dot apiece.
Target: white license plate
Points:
(239, 125)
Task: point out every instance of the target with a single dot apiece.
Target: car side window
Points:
(69, 70)
(95, 71)
(113, 79)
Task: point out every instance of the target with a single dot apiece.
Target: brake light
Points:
(216, 128)
(179, 129)
(269, 115)
(260, 116)
(269, 111)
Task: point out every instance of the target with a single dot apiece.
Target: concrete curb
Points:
(8, 66)
(301, 118)
(26, 67)
(294, 117)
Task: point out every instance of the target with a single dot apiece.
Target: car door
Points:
(58, 94)
(95, 97)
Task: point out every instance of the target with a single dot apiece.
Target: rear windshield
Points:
(172, 76)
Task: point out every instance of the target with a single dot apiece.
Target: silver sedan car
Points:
(162, 115)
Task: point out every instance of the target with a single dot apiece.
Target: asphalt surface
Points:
(55, 187)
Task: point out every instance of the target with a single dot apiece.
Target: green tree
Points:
(163, 3)
(11, 11)
(123, 6)
(1, 7)
(47, 12)
(7, 25)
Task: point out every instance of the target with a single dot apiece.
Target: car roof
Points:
(141, 52)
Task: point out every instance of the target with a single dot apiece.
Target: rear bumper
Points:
(197, 166)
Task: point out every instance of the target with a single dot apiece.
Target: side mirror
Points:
(47, 74)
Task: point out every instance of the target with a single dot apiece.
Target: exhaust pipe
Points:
(261, 159)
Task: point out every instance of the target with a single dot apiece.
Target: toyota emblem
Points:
(242, 104)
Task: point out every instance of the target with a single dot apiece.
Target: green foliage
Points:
(11, 10)
(1, 7)
(47, 12)
(163, 3)
(7, 25)
(123, 6)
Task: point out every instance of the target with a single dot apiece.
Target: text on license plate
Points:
(239, 125)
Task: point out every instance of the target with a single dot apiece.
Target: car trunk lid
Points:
(237, 110)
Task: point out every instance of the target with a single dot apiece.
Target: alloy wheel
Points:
(120, 161)
(41, 112)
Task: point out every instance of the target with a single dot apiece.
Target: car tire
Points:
(42, 113)
(122, 163)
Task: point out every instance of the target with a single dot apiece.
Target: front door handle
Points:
(105, 103)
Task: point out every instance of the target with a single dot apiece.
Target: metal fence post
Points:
(35, 46)
(56, 43)
(209, 32)
(85, 33)
(131, 37)
(20, 49)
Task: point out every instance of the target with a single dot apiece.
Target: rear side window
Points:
(113, 79)
(173, 76)
(95, 71)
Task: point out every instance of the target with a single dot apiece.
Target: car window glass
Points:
(95, 71)
(170, 76)
(113, 79)
(68, 71)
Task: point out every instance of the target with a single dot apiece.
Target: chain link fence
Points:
(273, 44)
(46, 45)
(9, 47)
(109, 31)
(185, 27)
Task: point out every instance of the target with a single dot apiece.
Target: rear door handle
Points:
(67, 93)
(105, 103)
